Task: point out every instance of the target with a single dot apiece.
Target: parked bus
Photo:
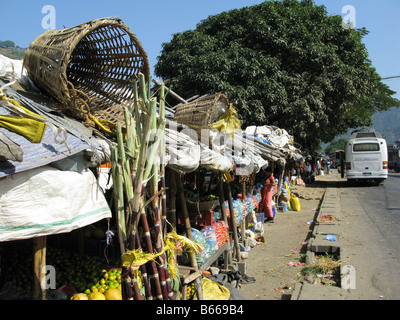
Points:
(366, 156)
(394, 157)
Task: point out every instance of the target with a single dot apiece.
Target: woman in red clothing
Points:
(267, 195)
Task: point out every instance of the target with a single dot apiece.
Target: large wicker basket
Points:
(201, 113)
(88, 68)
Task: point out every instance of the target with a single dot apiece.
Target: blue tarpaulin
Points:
(38, 154)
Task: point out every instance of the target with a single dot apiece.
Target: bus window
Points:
(360, 147)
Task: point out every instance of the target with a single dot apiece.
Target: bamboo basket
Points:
(89, 68)
(201, 113)
(201, 206)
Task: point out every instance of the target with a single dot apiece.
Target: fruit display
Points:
(108, 285)
(190, 292)
(71, 269)
(210, 197)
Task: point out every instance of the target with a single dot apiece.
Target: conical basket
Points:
(89, 68)
(201, 113)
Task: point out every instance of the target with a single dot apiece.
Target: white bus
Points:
(366, 157)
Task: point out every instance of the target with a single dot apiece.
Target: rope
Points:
(104, 125)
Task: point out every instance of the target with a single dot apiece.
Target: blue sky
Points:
(155, 21)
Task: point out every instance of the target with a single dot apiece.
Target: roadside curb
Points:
(325, 237)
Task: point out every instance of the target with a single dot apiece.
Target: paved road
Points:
(371, 230)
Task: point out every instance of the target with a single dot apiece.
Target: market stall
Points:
(177, 191)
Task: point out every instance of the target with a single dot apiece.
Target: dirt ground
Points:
(271, 263)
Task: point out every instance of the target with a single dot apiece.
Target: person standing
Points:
(267, 195)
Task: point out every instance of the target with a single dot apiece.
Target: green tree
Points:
(335, 145)
(284, 63)
(7, 44)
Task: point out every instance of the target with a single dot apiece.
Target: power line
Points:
(394, 77)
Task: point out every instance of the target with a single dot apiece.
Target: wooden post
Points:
(233, 221)
(243, 224)
(228, 254)
(39, 263)
(192, 256)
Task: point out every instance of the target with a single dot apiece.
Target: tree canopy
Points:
(285, 63)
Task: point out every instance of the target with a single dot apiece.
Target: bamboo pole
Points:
(39, 263)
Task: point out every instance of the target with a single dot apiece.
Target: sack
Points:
(295, 203)
(214, 291)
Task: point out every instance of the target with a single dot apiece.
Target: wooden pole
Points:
(243, 223)
(39, 263)
(185, 214)
(192, 256)
(221, 196)
(233, 221)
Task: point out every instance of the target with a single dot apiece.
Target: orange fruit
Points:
(79, 296)
(97, 296)
(113, 294)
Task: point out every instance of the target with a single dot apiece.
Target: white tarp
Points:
(182, 150)
(215, 160)
(45, 201)
(278, 137)
(13, 70)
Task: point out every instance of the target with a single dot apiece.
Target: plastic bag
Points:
(214, 291)
(295, 203)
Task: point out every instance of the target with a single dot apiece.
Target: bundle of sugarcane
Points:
(139, 193)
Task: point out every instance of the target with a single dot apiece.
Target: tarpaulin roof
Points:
(38, 154)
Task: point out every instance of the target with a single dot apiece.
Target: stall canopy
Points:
(48, 190)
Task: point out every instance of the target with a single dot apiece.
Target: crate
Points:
(259, 218)
(203, 219)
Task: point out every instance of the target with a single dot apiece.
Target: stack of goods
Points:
(211, 237)
(239, 210)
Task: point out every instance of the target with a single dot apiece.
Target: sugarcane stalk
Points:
(130, 288)
(134, 174)
(121, 208)
(118, 198)
(164, 194)
(145, 278)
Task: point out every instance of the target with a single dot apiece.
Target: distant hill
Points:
(388, 124)
(10, 50)
(12, 53)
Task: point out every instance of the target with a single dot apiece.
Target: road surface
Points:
(371, 231)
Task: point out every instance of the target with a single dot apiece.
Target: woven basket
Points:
(202, 206)
(201, 113)
(88, 68)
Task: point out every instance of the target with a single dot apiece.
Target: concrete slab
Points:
(320, 244)
(307, 291)
(325, 229)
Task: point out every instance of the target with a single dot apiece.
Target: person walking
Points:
(267, 195)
